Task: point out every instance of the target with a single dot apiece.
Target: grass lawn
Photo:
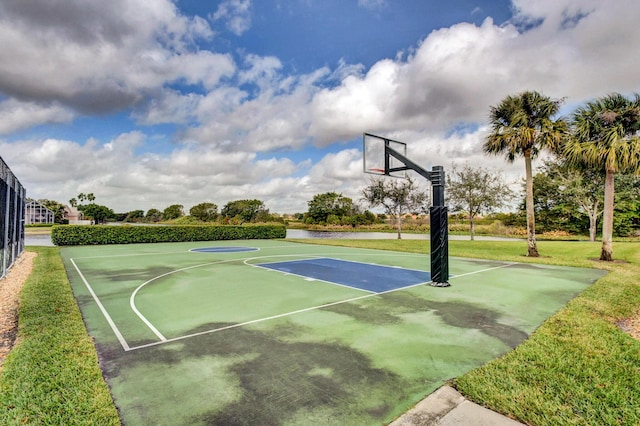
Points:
(52, 375)
(578, 368)
(37, 230)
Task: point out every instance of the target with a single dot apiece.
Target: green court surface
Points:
(296, 334)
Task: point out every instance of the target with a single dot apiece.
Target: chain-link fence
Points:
(12, 205)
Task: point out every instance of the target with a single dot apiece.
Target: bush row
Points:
(76, 235)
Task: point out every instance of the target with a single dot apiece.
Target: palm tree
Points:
(522, 126)
(606, 137)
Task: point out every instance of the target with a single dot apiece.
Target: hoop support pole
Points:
(438, 214)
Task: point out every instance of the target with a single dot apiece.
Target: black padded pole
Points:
(438, 215)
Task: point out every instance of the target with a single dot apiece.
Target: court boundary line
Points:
(164, 340)
(110, 321)
(144, 319)
(259, 320)
(171, 252)
(195, 249)
(346, 260)
(290, 245)
(123, 342)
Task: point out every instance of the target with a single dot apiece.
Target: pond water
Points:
(38, 240)
(303, 233)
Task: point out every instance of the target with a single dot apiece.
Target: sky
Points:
(149, 103)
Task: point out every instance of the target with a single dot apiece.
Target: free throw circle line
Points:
(132, 302)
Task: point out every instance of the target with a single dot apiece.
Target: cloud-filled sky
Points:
(148, 103)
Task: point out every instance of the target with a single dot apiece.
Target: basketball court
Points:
(276, 332)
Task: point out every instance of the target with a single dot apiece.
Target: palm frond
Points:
(607, 130)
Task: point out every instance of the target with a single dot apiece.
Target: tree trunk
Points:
(399, 226)
(593, 226)
(531, 220)
(593, 221)
(591, 208)
(472, 228)
(607, 218)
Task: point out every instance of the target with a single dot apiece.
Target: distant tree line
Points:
(234, 212)
(331, 208)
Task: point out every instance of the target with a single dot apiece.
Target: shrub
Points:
(74, 235)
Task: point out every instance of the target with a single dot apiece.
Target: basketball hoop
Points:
(376, 161)
(378, 151)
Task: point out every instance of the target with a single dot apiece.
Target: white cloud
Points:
(202, 67)
(16, 115)
(101, 57)
(261, 70)
(236, 13)
(277, 117)
(358, 104)
(124, 180)
(372, 4)
(343, 166)
(169, 107)
(456, 73)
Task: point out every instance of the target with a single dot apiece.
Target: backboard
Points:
(377, 161)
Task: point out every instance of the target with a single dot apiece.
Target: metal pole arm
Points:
(410, 165)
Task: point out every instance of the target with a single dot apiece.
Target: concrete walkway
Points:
(446, 407)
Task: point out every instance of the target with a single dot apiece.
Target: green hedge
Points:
(76, 235)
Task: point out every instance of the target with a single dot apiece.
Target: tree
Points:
(82, 197)
(174, 211)
(328, 204)
(134, 216)
(153, 215)
(627, 205)
(205, 212)
(605, 137)
(245, 210)
(476, 191)
(565, 194)
(98, 213)
(366, 218)
(522, 126)
(397, 196)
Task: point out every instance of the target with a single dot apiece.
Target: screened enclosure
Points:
(36, 213)
(12, 209)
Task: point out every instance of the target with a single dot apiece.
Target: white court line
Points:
(318, 258)
(292, 245)
(215, 330)
(131, 255)
(485, 270)
(163, 339)
(307, 278)
(144, 319)
(252, 322)
(228, 327)
(148, 323)
(113, 326)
